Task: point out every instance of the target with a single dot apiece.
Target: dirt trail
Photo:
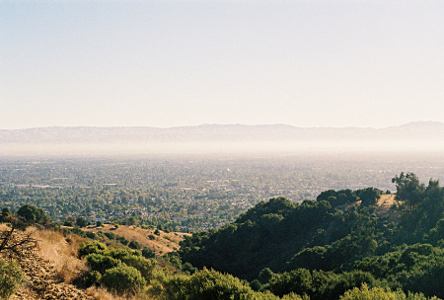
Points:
(41, 281)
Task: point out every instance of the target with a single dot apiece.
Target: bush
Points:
(90, 248)
(122, 240)
(110, 235)
(123, 279)
(118, 253)
(92, 278)
(69, 223)
(148, 253)
(188, 268)
(91, 235)
(134, 245)
(10, 278)
(101, 263)
(145, 266)
(256, 285)
(378, 293)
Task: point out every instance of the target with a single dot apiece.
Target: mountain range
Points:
(422, 131)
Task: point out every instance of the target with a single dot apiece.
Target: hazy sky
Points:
(175, 63)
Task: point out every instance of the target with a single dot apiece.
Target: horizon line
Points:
(227, 124)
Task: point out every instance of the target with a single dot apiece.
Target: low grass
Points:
(163, 243)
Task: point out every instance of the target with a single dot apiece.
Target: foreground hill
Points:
(49, 267)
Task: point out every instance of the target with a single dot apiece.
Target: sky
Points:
(184, 63)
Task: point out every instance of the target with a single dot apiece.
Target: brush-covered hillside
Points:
(324, 247)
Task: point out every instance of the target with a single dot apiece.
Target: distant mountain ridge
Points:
(431, 131)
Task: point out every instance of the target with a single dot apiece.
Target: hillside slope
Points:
(160, 244)
(48, 268)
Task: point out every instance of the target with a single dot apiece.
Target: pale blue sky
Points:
(179, 63)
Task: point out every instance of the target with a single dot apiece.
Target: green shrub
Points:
(69, 223)
(148, 253)
(90, 248)
(91, 235)
(134, 245)
(123, 279)
(10, 278)
(378, 293)
(210, 284)
(145, 266)
(110, 235)
(122, 240)
(101, 263)
(118, 253)
(188, 268)
(92, 278)
(256, 285)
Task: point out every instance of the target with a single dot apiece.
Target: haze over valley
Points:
(220, 139)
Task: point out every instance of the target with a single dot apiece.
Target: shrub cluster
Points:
(10, 278)
(119, 270)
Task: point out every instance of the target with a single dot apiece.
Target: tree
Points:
(33, 214)
(408, 188)
(369, 196)
(81, 221)
(15, 243)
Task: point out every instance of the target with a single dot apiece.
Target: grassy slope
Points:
(163, 243)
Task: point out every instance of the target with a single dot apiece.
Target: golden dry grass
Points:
(61, 252)
(384, 204)
(164, 243)
(99, 293)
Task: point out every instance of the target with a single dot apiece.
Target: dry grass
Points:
(164, 243)
(99, 293)
(61, 252)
